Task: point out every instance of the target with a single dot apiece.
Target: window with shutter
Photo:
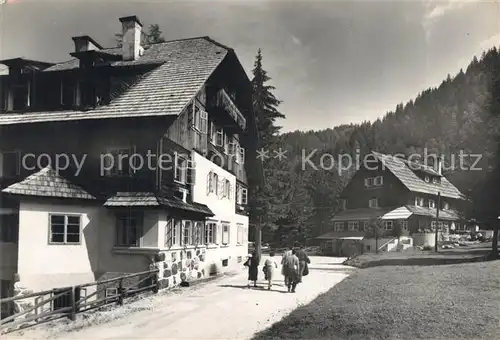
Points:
(220, 188)
(180, 168)
(225, 234)
(242, 155)
(244, 196)
(219, 136)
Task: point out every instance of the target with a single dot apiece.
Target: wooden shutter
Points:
(191, 115)
(244, 196)
(218, 233)
(176, 158)
(220, 188)
(204, 121)
(169, 242)
(209, 183)
(190, 172)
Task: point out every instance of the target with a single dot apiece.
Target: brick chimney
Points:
(131, 41)
(85, 43)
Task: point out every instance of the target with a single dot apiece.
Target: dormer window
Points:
(427, 179)
(436, 180)
(69, 92)
(21, 96)
(419, 201)
(373, 203)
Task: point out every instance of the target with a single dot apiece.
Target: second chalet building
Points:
(394, 190)
(159, 140)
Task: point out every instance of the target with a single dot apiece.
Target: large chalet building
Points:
(159, 141)
(396, 190)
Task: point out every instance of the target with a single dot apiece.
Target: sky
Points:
(331, 62)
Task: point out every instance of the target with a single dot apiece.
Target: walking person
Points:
(253, 269)
(303, 262)
(290, 270)
(269, 266)
(288, 252)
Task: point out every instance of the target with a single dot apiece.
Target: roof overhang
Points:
(401, 213)
(19, 62)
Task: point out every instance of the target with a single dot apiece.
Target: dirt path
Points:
(223, 309)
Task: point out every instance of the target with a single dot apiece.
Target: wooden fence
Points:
(69, 301)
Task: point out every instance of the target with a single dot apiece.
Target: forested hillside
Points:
(459, 115)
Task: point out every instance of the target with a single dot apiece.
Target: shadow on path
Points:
(263, 288)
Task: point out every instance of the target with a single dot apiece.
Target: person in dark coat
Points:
(253, 269)
(303, 262)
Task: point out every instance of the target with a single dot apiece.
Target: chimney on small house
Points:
(85, 43)
(131, 39)
(439, 166)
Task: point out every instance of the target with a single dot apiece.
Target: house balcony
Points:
(228, 116)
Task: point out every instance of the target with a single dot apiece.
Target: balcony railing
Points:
(224, 101)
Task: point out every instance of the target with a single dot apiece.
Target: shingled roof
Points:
(149, 199)
(48, 183)
(184, 66)
(405, 172)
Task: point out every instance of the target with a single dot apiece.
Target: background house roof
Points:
(359, 214)
(48, 183)
(166, 90)
(401, 169)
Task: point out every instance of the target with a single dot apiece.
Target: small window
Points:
(373, 203)
(10, 164)
(242, 193)
(172, 232)
(225, 233)
(388, 225)
(432, 204)
(436, 180)
(227, 189)
(379, 180)
(65, 229)
(368, 182)
(21, 96)
(339, 226)
(187, 233)
(210, 233)
(129, 229)
(241, 154)
(217, 135)
(180, 168)
(427, 179)
(433, 225)
(404, 224)
(353, 226)
(241, 230)
(9, 228)
(419, 201)
(446, 206)
(117, 162)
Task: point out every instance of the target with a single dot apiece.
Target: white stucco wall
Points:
(223, 208)
(42, 265)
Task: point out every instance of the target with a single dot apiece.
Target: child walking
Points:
(269, 266)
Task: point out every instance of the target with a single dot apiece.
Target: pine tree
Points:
(265, 104)
(153, 36)
(265, 107)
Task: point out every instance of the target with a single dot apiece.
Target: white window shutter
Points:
(175, 164)
(168, 233)
(209, 183)
(190, 172)
(204, 121)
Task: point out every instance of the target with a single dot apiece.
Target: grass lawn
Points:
(421, 258)
(459, 301)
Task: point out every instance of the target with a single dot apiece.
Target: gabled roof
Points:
(185, 66)
(48, 183)
(405, 172)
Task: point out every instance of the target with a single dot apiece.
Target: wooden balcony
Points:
(229, 116)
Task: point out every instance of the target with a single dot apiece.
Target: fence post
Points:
(121, 293)
(156, 282)
(72, 298)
